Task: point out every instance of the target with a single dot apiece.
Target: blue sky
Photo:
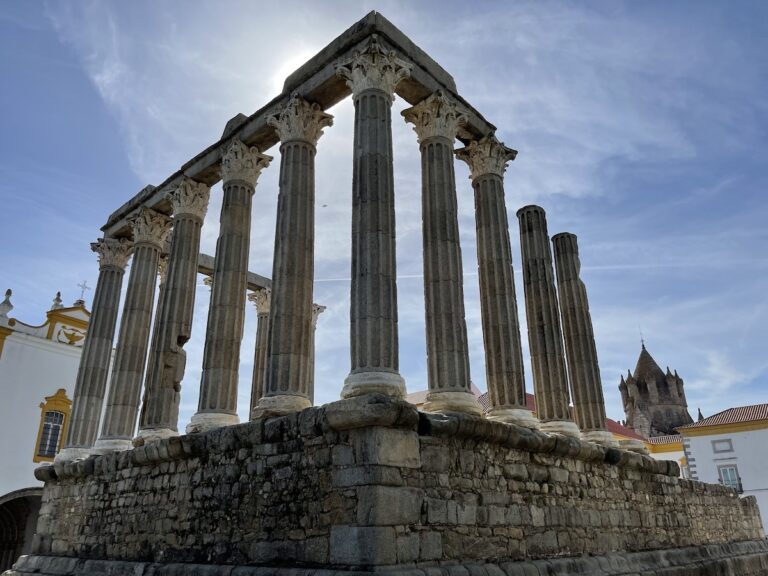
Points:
(642, 128)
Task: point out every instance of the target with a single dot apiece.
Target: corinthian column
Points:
(261, 298)
(240, 169)
(150, 229)
(436, 121)
(299, 127)
(583, 369)
(545, 340)
(317, 309)
(372, 75)
(97, 349)
(167, 361)
(487, 160)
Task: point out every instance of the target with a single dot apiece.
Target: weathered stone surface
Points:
(363, 546)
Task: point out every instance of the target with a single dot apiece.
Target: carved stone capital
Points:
(162, 268)
(373, 68)
(243, 163)
(317, 309)
(435, 116)
(113, 252)
(486, 156)
(300, 120)
(190, 198)
(262, 298)
(150, 227)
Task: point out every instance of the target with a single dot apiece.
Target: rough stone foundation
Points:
(371, 484)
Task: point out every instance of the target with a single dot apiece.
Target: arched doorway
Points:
(18, 518)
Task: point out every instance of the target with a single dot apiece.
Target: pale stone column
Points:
(261, 298)
(92, 375)
(550, 381)
(372, 75)
(299, 127)
(581, 352)
(240, 169)
(317, 309)
(487, 160)
(167, 362)
(436, 121)
(150, 229)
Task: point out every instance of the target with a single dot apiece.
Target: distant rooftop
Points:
(737, 415)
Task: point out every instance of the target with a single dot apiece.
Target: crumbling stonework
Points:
(370, 483)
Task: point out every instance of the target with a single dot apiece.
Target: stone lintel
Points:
(318, 82)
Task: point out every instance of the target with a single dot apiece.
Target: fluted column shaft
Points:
(92, 374)
(262, 299)
(122, 407)
(167, 361)
(317, 309)
(299, 127)
(581, 352)
(550, 380)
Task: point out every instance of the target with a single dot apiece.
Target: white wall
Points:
(31, 368)
(749, 455)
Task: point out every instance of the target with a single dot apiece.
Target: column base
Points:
(519, 416)
(634, 446)
(452, 401)
(602, 437)
(279, 405)
(106, 445)
(147, 435)
(204, 421)
(564, 427)
(71, 454)
(373, 382)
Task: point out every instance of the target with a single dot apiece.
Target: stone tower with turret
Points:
(654, 401)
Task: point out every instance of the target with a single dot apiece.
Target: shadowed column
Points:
(92, 375)
(436, 121)
(583, 368)
(262, 299)
(487, 160)
(299, 127)
(167, 362)
(550, 381)
(150, 229)
(240, 169)
(317, 309)
(372, 75)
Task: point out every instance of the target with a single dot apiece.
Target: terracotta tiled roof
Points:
(732, 416)
(615, 428)
(667, 439)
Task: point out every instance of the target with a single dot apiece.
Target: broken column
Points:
(550, 381)
(583, 368)
(92, 375)
(487, 160)
(436, 121)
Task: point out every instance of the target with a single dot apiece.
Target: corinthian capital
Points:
(435, 116)
(113, 252)
(243, 163)
(486, 156)
(262, 298)
(190, 198)
(317, 309)
(150, 227)
(300, 120)
(373, 68)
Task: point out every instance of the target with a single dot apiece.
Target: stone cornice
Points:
(486, 156)
(262, 299)
(243, 163)
(113, 252)
(300, 120)
(373, 68)
(190, 198)
(150, 227)
(435, 116)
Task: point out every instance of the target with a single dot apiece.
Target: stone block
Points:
(434, 458)
(386, 447)
(363, 545)
(408, 548)
(388, 505)
(431, 546)
(362, 475)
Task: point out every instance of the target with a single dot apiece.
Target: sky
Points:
(642, 128)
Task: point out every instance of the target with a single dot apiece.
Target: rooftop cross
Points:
(83, 287)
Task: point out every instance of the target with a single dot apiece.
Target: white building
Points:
(731, 448)
(38, 368)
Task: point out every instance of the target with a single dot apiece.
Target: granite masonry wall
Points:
(371, 483)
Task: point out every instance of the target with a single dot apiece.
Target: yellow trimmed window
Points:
(54, 417)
